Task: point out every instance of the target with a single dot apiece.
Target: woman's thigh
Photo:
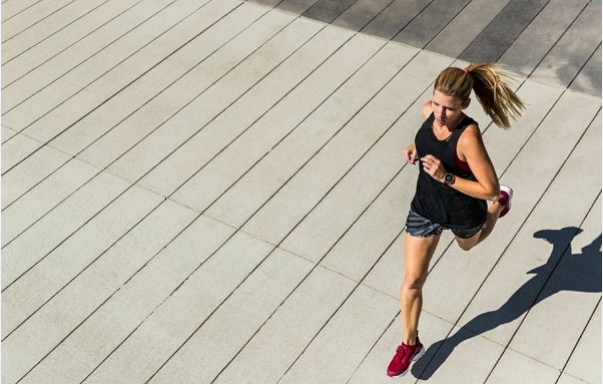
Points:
(418, 252)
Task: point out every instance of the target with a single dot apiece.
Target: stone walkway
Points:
(213, 191)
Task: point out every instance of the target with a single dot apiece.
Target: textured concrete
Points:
(214, 191)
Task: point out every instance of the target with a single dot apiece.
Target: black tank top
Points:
(435, 200)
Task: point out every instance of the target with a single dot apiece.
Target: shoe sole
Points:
(509, 192)
(414, 359)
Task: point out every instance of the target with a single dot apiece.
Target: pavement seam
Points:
(52, 34)
(578, 341)
(23, 10)
(583, 65)
(72, 44)
(111, 69)
(43, 18)
(554, 45)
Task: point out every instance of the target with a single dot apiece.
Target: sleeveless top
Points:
(437, 201)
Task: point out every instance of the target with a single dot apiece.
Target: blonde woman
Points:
(456, 180)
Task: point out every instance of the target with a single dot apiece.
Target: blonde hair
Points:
(490, 86)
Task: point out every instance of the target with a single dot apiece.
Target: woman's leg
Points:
(417, 255)
(493, 214)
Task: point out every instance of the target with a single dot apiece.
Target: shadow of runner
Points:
(576, 272)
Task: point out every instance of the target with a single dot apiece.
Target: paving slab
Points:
(296, 199)
(80, 351)
(16, 43)
(165, 105)
(285, 335)
(53, 271)
(52, 230)
(7, 133)
(174, 321)
(500, 34)
(586, 358)
(423, 28)
(211, 348)
(567, 379)
(246, 82)
(16, 150)
(65, 38)
(516, 368)
(62, 117)
(82, 76)
(588, 79)
(284, 160)
(458, 34)
(568, 56)
(395, 17)
(353, 329)
(541, 35)
(13, 8)
(175, 68)
(117, 318)
(19, 180)
(456, 362)
(328, 10)
(22, 79)
(24, 16)
(44, 197)
(268, 131)
(360, 13)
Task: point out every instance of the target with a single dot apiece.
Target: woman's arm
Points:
(471, 147)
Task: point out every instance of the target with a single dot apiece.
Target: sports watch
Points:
(449, 179)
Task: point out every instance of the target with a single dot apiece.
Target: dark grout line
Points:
(554, 45)
(106, 167)
(583, 65)
(43, 18)
(67, 161)
(23, 10)
(124, 87)
(117, 39)
(581, 335)
(49, 36)
(72, 44)
(447, 24)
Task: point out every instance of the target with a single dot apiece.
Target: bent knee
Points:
(466, 244)
(414, 282)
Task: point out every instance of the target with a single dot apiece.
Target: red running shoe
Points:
(506, 194)
(405, 355)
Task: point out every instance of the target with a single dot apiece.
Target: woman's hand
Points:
(410, 154)
(433, 167)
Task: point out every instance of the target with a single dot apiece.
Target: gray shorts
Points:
(418, 226)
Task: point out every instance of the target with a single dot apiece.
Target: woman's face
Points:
(447, 109)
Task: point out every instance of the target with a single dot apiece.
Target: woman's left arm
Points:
(471, 147)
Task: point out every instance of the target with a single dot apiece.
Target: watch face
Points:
(449, 178)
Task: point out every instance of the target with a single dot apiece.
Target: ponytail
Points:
(490, 86)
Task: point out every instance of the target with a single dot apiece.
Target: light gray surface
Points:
(218, 194)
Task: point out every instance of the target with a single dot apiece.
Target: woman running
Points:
(456, 180)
